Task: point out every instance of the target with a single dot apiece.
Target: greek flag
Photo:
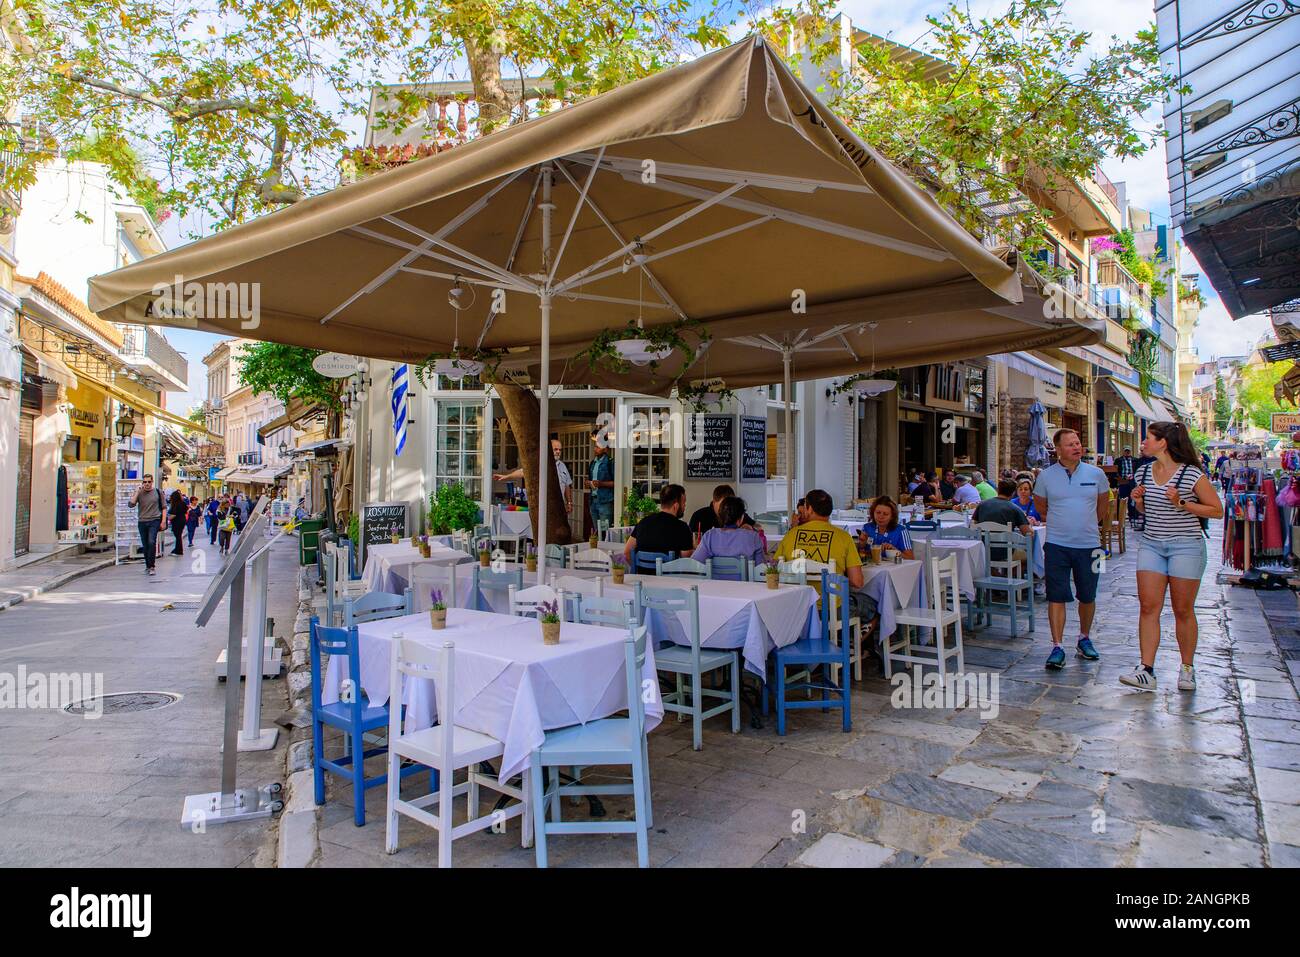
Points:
(399, 408)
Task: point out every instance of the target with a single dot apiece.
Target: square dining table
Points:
(388, 566)
(509, 684)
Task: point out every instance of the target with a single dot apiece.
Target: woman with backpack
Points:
(1176, 499)
(177, 509)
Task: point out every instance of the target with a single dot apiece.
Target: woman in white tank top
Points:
(1173, 494)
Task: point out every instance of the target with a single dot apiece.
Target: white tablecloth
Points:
(971, 561)
(388, 566)
(508, 683)
(893, 587)
(514, 523)
(1039, 561)
(745, 615)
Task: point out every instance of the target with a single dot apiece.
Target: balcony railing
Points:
(144, 342)
(1121, 296)
(250, 458)
(1107, 187)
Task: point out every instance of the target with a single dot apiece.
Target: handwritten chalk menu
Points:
(379, 520)
(753, 448)
(717, 458)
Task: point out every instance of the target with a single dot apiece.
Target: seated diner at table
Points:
(966, 493)
(819, 541)
(730, 538)
(885, 529)
(1025, 500)
(663, 531)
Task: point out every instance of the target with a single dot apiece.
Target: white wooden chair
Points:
(339, 585)
(447, 748)
(425, 577)
(573, 585)
(591, 560)
(951, 517)
(943, 612)
(509, 542)
(524, 602)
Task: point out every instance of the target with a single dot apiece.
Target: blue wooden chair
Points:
(730, 569)
(486, 580)
(685, 568)
(1006, 577)
(959, 532)
(811, 652)
(377, 605)
(691, 662)
(646, 563)
(609, 741)
(353, 714)
(557, 557)
(923, 525)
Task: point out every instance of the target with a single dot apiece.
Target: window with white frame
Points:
(458, 447)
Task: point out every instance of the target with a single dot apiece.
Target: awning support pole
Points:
(544, 465)
(786, 354)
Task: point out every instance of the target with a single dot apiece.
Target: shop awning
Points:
(142, 405)
(240, 475)
(269, 475)
(312, 447)
(51, 368)
(294, 412)
(1032, 366)
(1154, 411)
(227, 472)
(173, 443)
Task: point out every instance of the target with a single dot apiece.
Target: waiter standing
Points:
(600, 477)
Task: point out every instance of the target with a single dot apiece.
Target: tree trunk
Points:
(524, 410)
(485, 73)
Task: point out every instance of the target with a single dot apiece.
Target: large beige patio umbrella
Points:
(718, 190)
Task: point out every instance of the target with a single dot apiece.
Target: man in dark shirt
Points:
(703, 519)
(1005, 512)
(926, 489)
(948, 487)
(664, 531)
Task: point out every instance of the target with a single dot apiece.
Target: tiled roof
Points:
(56, 292)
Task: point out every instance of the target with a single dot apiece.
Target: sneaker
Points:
(1085, 650)
(153, 571)
(1056, 660)
(1139, 678)
(1186, 678)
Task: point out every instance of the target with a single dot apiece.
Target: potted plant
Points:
(773, 575)
(618, 350)
(548, 613)
(437, 611)
(705, 395)
(617, 568)
(530, 559)
(393, 536)
(485, 553)
(425, 550)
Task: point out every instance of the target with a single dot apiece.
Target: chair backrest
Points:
(612, 612)
(487, 580)
(331, 586)
(959, 532)
(1000, 543)
(727, 568)
(951, 516)
(685, 567)
(922, 525)
(993, 526)
(643, 561)
(602, 526)
(634, 665)
(759, 573)
(806, 566)
(945, 590)
(425, 577)
(460, 540)
(573, 585)
(591, 560)
(835, 605)
(324, 642)
(673, 601)
(557, 556)
(481, 532)
(376, 605)
(524, 601)
(414, 659)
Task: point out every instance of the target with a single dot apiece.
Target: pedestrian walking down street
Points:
(225, 527)
(176, 512)
(1174, 496)
(148, 504)
(210, 517)
(192, 520)
(1073, 497)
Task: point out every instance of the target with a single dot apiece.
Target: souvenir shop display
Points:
(1261, 509)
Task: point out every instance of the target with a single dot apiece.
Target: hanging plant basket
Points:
(457, 368)
(619, 349)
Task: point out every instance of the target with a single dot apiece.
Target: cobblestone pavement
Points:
(109, 791)
(1074, 770)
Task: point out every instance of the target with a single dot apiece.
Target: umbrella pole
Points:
(789, 437)
(543, 415)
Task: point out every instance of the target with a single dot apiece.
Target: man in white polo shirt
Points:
(1072, 497)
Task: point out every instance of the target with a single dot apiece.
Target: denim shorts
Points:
(1061, 563)
(1173, 557)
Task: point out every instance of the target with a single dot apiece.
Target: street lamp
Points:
(284, 450)
(125, 424)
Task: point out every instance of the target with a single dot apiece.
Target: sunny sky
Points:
(905, 23)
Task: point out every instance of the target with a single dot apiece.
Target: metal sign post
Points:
(233, 803)
(253, 737)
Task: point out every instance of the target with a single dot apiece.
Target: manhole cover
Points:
(123, 703)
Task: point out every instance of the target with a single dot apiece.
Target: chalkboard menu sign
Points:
(717, 459)
(753, 448)
(379, 520)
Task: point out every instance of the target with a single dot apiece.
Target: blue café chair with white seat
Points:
(685, 567)
(609, 741)
(647, 563)
(352, 714)
(690, 661)
(609, 612)
(729, 569)
(377, 605)
(836, 689)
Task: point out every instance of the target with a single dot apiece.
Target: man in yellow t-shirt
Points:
(820, 541)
